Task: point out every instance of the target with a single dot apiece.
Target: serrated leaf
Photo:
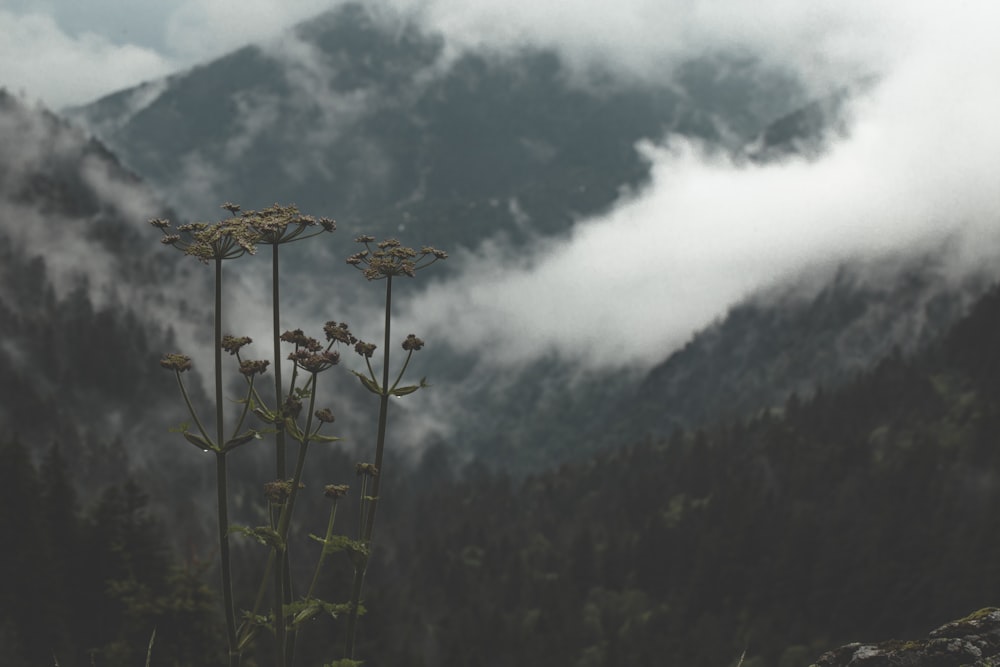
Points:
(302, 610)
(264, 534)
(343, 543)
(198, 441)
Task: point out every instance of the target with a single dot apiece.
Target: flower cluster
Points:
(233, 344)
(282, 224)
(335, 490)
(338, 331)
(227, 239)
(250, 368)
(391, 258)
(241, 232)
(412, 343)
(279, 490)
(366, 350)
(176, 362)
(366, 469)
(315, 362)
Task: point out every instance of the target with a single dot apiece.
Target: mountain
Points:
(862, 512)
(86, 299)
(815, 465)
(365, 117)
(371, 120)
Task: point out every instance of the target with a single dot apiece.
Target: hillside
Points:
(369, 119)
(80, 286)
(860, 513)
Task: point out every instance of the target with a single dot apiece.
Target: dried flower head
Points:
(292, 407)
(227, 239)
(176, 362)
(391, 258)
(325, 416)
(249, 368)
(278, 224)
(365, 469)
(339, 332)
(279, 490)
(335, 490)
(232, 344)
(412, 343)
(314, 362)
(365, 349)
(301, 340)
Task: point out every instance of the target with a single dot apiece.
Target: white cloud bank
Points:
(40, 60)
(65, 53)
(920, 163)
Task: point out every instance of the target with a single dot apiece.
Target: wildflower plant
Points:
(290, 415)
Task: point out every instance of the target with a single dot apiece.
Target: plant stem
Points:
(322, 554)
(275, 335)
(373, 497)
(221, 482)
(281, 571)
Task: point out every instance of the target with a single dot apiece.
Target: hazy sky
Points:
(69, 52)
(920, 159)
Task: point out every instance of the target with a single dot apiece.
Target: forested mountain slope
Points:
(367, 118)
(79, 284)
(868, 511)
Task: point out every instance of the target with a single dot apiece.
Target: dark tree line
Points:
(84, 586)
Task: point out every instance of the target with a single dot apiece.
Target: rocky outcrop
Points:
(973, 641)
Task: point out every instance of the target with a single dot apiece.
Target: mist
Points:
(914, 169)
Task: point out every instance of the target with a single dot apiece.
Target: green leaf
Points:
(303, 610)
(250, 627)
(369, 383)
(403, 391)
(198, 441)
(241, 439)
(264, 534)
(265, 415)
(354, 548)
(324, 438)
(345, 662)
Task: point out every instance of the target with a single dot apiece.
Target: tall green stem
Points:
(282, 570)
(221, 482)
(373, 496)
(275, 335)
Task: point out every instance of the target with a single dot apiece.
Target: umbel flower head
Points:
(391, 258)
(176, 362)
(283, 224)
(241, 232)
(226, 239)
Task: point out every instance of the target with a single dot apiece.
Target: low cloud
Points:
(61, 69)
(917, 167)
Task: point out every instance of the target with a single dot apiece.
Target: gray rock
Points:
(973, 641)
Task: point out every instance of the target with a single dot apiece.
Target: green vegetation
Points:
(860, 513)
(233, 238)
